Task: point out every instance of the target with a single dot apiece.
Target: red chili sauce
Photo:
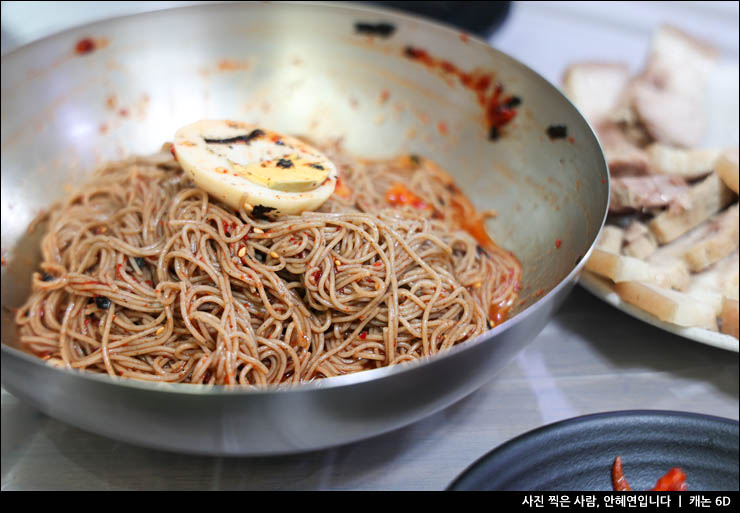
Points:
(499, 110)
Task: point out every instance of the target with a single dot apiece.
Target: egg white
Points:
(216, 167)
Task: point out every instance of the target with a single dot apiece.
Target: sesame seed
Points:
(477, 285)
(274, 255)
(259, 230)
(337, 263)
(160, 330)
(242, 252)
(248, 207)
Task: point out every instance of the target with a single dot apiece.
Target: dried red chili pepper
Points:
(619, 482)
(673, 481)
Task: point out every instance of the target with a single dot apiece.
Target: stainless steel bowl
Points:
(301, 69)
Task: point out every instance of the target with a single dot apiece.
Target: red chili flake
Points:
(603, 180)
(571, 140)
(483, 83)
(85, 46)
(317, 275)
(384, 95)
(466, 79)
(172, 150)
(538, 293)
(448, 66)
(558, 242)
(123, 113)
(464, 37)
(149, 282)
(398, 195)
(415, 53)
(363, 335)
(118, 270)
(499, 115)
(342, 190)
(377, 264)
(442, 127)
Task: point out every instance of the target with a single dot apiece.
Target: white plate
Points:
(604, 289)
(722, 131)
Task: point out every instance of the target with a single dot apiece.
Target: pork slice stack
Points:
(673, 210)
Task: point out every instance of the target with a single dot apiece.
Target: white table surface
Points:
(590, 358)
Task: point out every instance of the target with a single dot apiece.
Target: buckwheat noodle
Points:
(145, 277)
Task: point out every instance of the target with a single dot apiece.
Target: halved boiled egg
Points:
(247, 166)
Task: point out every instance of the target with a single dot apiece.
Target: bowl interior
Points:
(305, 70)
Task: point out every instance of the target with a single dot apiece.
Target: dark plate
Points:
(578, 453)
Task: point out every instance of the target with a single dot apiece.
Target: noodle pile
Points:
(145, 277)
